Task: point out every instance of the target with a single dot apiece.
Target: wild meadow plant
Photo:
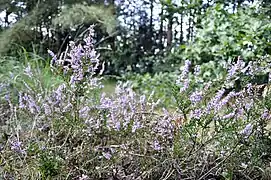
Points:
(77, 132)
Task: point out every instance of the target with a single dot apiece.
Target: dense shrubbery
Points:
(223, 36)
(74, 131)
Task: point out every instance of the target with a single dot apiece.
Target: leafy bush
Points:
(223, 36)
(76, 132)
(159, 85)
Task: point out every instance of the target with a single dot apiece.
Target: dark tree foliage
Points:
(139, 36)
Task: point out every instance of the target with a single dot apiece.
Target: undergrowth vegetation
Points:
(187, 127)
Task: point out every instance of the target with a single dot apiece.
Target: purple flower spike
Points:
(197, 113)
(247, 130)
(156, 145)
(229, 116)
(17, 147)
(196, 97)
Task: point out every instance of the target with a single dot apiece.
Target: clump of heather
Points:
(75, 131)
(75, 123)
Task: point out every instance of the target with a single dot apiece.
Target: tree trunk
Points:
(160, 45)
(150, 36)
(169, 31)
(181, 31)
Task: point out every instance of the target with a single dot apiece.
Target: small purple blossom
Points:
(47, 109)
(58, 94)
(187, 65)
(225, 100)
(67, 107)
(17, 146)
(240, 112)
(142, 99)
(196, 97)
(28, 102)
(28, 71)
(7, 97)
(54, 58)
(156, 145)
(265, 114)
(197, 113)
(229, 116)
(183, 79)
(185, 86)
(117, 124)
(247, 130)
(83, 112)
(214, 101)
(21, 98)
(249, 105)
(107, 155)
(249, 89)
(105, 102)
(106, 3)
(136, 126)
(232, 71)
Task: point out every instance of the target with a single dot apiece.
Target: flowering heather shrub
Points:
(77, 132)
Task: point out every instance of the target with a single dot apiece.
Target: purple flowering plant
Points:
(77, 116)
(76, 130)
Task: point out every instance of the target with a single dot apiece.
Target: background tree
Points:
(138, 36)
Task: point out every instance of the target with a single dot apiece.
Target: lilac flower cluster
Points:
(215, 100)
(83, 61)
(225, 100)
(197, 114)
(164, 127)
(183, 80)
(229, 116)
(249, 89)
(266, 114)
(156, 145)
(28, 71)
(196, 97)
(247, 130)
(27, 102)
(123, 109)
(253, 67)
(107, 155)
(83, 67)
(17, 147)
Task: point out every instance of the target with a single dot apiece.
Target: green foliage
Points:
(49, 165)
(31, 30)
(159, 85)
(222, 36)
(14, 77)
(20, 34)
(76, 15)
